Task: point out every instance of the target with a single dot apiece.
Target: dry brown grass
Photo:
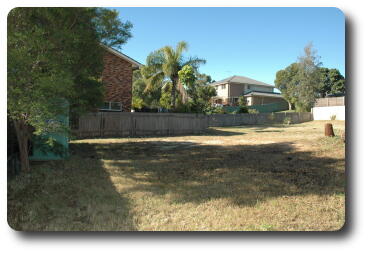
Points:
(238, 178)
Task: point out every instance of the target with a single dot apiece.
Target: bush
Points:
(253, 111)
(272, 116)
(242, 101)
(287, 120)
(220, 110)
(182, 107)
(243, 109)
(215, 110)
(333, 117)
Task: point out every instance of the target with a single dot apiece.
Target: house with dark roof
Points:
(229, 91)
(117, 77)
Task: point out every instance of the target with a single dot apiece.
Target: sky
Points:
(251, 42)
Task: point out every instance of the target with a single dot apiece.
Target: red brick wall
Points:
(117, 78)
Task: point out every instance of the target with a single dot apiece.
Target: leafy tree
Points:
(203, 79)
(187, 78)
(199, 92)
(165, 100)
(287, 82)
(332, 82)
(300, 82)
(309, 80)
(143, 97)
(55, 55)
(164, 65)
(243, 109)
(205, 93)
(242, 101)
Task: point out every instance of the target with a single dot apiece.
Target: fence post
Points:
(134, 123)
(131, 125)
(101, 124)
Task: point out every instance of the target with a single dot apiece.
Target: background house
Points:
(229, 91)
(117, 76)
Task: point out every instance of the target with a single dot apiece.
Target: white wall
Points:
(325, 113)
(222, 92)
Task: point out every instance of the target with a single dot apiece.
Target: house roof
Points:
(242, 80)
(262, 93)
(135, 63)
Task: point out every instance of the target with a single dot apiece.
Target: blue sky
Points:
(252, 42)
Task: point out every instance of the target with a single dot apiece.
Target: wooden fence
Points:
(123, 124)
(330, 101)
(219, 120)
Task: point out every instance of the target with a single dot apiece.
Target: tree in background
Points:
(163, 65)
(199, 92)
(54, 55)
(287, 82)
(203, 79)
(309, 79)
(142, 97)
(332, 82)
(300, 82)
(242, 101)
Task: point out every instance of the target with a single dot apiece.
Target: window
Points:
(223, 86)
(112, 106)
(115, 106)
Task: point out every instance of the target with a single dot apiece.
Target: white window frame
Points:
(110, 109)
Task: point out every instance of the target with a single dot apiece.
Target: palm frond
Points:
(157, 57)
(154, 81)
(180, 48)
(195, 62)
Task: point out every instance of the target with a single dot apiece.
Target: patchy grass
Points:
(259, 178)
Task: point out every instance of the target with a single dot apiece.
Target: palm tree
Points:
(163, 66)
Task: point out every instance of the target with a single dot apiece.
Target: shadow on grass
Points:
(208, 132)
(270, 131)
(72, 195)
(242, 174)
(80, 194)
(262, 126)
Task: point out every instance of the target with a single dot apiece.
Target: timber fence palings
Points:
(125, 124)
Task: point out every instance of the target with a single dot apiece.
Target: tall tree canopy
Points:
(308, 78)
(196, 85)
(332, 82)
(163, 66)
(54, 54)
(287, 82)
(302, 82)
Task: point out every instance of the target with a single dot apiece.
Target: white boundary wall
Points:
(325, 113)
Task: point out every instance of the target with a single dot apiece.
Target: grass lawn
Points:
(235, 178)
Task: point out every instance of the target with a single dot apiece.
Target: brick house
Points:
(255, 92)
(117, 76)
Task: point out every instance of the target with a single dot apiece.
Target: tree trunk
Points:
(329, 130)
(173, 93)
(289, 105)
(22, 132)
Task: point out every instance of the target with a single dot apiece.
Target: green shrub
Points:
(243, 109)
(287, 120)
(253, 111)
(220, 110)
(182, 107)
(272, 116)
(242, 101)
